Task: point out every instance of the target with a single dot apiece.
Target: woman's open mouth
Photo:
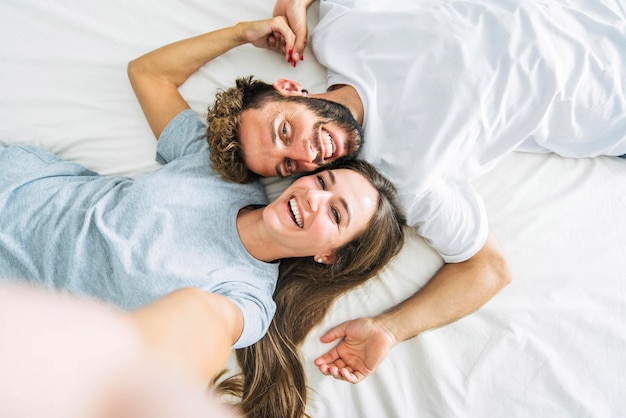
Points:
(295, 212)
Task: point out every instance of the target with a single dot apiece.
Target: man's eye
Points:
(336, 215)
(283, 130)
(321, 181)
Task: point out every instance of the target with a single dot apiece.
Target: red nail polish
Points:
(294, 64)
(301, 57)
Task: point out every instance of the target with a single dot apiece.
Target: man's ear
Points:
(289, 87)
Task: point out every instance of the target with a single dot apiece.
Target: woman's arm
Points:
(156, 76)
(190, 330)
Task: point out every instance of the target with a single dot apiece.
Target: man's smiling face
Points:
(289, 136)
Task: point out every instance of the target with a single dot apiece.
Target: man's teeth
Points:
(296, 212)
(330, 145)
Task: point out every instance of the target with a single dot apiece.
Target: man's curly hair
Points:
(223, 116)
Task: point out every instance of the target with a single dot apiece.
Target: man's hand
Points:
(364, 346)
(295, 13)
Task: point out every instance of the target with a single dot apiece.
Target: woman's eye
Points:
(289, 165)
(336, 215)
(321, 181)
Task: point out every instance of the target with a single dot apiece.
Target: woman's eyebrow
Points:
(343, 202)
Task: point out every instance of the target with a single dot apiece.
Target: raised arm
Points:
(191, 331)
(157, 75)
(455, 291)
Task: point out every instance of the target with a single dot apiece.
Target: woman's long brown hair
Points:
(272, 383)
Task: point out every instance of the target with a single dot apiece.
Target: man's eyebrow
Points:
(331, 175)
(279, 166)
(273, 130)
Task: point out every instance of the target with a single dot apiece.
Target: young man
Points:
(451, 97)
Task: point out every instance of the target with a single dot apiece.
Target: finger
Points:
(334, 333)
(349, 376)
(334, 370)
(300, 42)
(324, 369)
(278, 41)
(340, 363)
(327, 358)
(287, 36)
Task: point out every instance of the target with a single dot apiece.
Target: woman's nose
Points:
(316, 199)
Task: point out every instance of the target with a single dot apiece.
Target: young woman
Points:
(132, 241)
(273, 382)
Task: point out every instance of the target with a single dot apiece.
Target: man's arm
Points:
(157, 75)
(455, 291)
(191, 331)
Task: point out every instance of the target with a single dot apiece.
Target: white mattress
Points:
(553, 343)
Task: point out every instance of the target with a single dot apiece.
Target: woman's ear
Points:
(324, 259)
(289, 88)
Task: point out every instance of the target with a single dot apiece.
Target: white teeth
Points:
(295, 212)
(330, 145)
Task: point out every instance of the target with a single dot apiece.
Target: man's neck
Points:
(347, 96)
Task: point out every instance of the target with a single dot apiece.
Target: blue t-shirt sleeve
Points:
(184, 135)
(254, 299)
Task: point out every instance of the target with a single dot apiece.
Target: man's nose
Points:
(305, 156)
(304, 151)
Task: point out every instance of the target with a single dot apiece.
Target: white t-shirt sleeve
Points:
(451, 218)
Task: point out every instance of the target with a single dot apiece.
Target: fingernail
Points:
(301, 57)
(294, 64)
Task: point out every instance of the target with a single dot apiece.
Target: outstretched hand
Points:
(363, 347)
(295, 13)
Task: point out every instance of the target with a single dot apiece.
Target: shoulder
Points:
(183, 135)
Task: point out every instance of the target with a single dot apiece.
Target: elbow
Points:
(501, 272)
(132, 69)
(495, 264)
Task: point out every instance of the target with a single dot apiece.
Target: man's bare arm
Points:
(454, 292)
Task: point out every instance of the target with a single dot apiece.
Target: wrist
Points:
(387, 328)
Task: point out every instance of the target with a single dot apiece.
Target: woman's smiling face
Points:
(321, 212)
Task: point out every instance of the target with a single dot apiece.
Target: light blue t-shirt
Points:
(131, 241)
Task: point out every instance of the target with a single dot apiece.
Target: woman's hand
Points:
(295, 13)
(272, 33)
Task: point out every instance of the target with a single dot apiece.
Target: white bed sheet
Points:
(553, 343)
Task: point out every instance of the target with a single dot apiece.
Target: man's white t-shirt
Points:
(449, 87)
